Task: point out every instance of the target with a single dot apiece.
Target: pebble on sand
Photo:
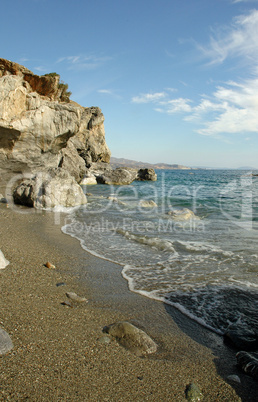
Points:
(5, 342)
(132, 338)
(234, 378)
(75, 298)
(49, 265)
(248, 362)
(3, 261)
(193, 393)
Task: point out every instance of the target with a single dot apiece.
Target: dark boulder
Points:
(119, 176)
(249, 363)
(146, 174)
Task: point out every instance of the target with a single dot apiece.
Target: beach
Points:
(60, 352)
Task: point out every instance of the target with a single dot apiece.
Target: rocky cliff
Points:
(48, 141)
(38, 130)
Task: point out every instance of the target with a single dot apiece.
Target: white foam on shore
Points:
(160, 244)
(153, 295)
(3, 261)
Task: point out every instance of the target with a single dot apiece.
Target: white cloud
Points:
(232, 107)
(244, 1)
(178, 105)
(171, 89)
(236, 106)
(238, 40)
(232, 120)
(149, 97)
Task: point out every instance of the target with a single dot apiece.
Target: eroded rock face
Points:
(39, 131)
(56, 187)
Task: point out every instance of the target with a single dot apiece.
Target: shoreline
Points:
(57, 352)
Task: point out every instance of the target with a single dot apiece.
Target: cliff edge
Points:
(41, 129)
(49, 143)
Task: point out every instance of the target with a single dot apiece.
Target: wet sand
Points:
(58, 352)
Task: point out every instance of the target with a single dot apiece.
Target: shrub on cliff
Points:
(64, 94)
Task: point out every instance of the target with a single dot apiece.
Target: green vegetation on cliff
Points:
(62, 86)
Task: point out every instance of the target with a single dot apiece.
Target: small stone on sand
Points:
(49, 265)
(193, 393)
(132, 338)
(67, 303)
(74, 297)
(5, 342)
(60, 284)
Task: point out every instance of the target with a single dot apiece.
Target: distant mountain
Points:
(121, 162)
(246, 168)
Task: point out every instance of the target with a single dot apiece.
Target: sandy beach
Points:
(59, 352)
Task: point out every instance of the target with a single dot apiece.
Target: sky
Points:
(177, 80)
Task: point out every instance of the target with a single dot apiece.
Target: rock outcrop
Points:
(41, 131)
(146, 174)
(53, 188)
(120, 176)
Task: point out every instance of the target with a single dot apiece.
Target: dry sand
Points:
(58, 354)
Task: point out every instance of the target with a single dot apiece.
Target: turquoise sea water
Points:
(204, 262)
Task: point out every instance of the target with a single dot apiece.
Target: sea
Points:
(189, 240)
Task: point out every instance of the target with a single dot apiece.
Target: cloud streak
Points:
(84, 62)
(149, 97)
(109, 92)
(236, 41)
(230, 109)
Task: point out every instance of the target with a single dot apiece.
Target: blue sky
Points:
(177, 80)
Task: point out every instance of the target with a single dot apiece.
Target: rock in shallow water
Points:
(248, 362)
(5, 342)
(148, 204)
(241, 339)
(181, 214)
(132, 338)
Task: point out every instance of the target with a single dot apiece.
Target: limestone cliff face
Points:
(39, 131)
